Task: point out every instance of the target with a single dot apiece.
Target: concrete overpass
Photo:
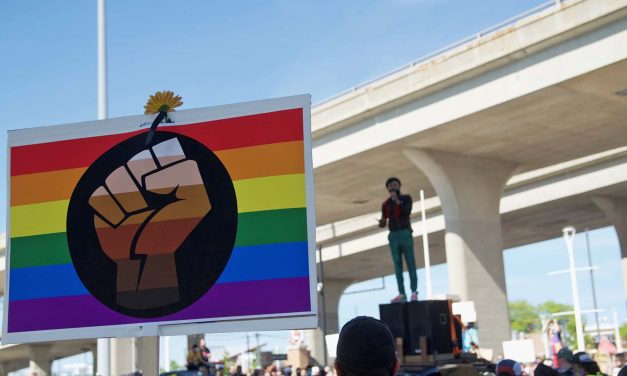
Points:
(512, 134)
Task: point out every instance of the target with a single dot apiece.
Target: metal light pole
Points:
(324, 309)
(569, 237)
(103, 344)
(102, 61)
(425, 245)
(166, 353)
(594, 293)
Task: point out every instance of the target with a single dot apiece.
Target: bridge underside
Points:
(572, 119)
(526, 226)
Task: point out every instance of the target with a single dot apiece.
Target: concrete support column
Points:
(94, 354)
(470, 191)
(332, 289)
(40, 363)
(147, 358)
(121, 355)
(615, 209)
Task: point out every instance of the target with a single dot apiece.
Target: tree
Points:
(174, 365)
(228, 362)
(524, 317)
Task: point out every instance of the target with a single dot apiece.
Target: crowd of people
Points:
(366, 347)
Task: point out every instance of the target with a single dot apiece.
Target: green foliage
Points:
(524, 317)
(175, 366)
(623, 331)
(228, 362)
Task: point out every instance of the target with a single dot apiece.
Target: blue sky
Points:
(217, 52)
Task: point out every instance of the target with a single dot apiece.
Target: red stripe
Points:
(252, 130)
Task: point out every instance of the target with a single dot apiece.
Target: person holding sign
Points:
(395, 213)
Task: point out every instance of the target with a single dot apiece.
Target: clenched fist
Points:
(143, 212)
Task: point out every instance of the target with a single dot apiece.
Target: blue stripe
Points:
(258, 262)
(45, 282)
(267, 261)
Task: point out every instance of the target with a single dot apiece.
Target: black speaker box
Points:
(395, 317)
(431, 319)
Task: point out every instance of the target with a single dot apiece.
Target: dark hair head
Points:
(544, 370)
(586, 362)
(366, 347)
(387, 182)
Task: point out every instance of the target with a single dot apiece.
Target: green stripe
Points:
(263, 227)
(39, 250)
(271, 226)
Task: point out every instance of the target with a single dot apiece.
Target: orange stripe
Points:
(285, 158)
(244, 163)
(44, 186)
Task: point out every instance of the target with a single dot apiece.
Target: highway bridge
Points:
(513, 134)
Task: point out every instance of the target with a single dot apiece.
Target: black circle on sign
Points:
(200, 259)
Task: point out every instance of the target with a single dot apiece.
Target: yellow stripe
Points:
(258, 194)
(37, 219)
(269, 193)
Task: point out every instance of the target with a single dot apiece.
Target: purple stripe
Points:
(223, 300)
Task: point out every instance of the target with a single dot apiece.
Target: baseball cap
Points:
(565, 353)
(582, 357)
(509, 367)
(366, 343)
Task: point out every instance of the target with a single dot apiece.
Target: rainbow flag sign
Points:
(207, 226)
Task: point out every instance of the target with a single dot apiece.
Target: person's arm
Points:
(383, 220)
(474, 338)
(406, 205)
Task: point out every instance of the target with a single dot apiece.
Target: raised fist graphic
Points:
(144, 211)
(151, 228)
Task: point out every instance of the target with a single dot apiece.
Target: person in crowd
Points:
(366, 347)
(619, 362)
(205, 356)
(470, 338)
(508, 367)
(565, 360)
(555, 340)
(584, 365)
(315, 371)
(544, 370)
(395, 212)
(194, 359)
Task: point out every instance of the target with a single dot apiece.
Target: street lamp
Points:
(569, 237)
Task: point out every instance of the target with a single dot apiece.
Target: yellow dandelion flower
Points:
(162, 101)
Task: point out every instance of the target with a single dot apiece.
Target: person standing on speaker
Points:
(395, 212)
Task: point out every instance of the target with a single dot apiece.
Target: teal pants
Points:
(402, 243)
